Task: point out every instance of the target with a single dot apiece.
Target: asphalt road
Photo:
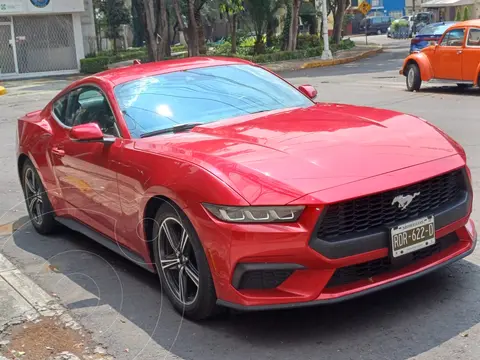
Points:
(435, 317)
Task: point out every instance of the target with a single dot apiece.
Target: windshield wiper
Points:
(174, 129)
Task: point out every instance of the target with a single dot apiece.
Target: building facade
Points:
(393, 8)
(44, 37)
(446, 10)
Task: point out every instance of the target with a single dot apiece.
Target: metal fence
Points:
(33, 44)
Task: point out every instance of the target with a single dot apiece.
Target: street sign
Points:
(364, 7)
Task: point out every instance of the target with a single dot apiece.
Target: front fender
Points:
(426, 70)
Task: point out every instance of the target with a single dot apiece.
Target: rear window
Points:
(434, 29)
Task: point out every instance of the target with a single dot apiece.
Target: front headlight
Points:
(255, 214)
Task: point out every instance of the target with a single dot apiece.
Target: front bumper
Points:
(285, 270)
(361, 290)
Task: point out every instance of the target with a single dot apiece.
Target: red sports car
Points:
(239, 190)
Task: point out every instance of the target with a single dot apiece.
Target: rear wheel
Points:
(39, 207)
(182, 264)
(413, 79)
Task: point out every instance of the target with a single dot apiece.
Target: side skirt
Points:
(104, 241)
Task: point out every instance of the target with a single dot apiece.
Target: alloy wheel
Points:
(33, 196)
(178, 262)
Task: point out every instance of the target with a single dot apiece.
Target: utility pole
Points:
(326, 54)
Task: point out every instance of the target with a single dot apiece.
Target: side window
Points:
(60, 107)
(89, 104)
(473, 37)
(453, 38)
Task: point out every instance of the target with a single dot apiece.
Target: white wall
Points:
(25, 7)
(88, 28)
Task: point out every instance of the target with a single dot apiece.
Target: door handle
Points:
(459, 52)
(57, 151)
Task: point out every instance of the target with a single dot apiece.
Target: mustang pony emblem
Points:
(404, 200)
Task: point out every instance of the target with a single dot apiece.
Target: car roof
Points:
(475, 22)
(128, 73)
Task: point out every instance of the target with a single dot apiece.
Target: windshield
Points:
(434, 29)
(202, 96)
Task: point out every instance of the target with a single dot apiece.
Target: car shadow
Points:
(397, 323)
(449, 90)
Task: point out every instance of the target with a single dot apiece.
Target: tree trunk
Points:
(292, 41)
(338, 20)
(150, 27)
(202, 47)
(115, 47)
(181, 25)
(193, 48)
(162, 30)
(234, 33)
(270, 31)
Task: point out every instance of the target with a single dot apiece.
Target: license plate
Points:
(413, 236)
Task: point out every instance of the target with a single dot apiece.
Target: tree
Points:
(258, 10)
(116, 14)
(293, 33)
(155, 21)
(231, 8)
(286, 27)
(138, 28)
(466, 14)
(458, 15)
(338, 14)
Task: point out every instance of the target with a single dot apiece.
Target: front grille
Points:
(263, 279)
(362, 214)
(350, 274)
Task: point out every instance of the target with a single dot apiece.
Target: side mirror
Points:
(90, 132)
(308, 90)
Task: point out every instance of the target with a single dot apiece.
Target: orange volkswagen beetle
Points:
(456, 58)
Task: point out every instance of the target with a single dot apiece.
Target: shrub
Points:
(178, 48)
(306, 41)
(94, 65)
(466, 13)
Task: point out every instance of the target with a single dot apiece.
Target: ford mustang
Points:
(239, 190)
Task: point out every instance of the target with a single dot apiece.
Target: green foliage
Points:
(398, 24)
(306, 41)
(458, 15)
(466, 13)
(231, 7)
(116, 14)
(178, 48)
(94, 65)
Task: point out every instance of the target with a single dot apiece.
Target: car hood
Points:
(279, 156)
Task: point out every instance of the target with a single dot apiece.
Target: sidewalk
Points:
(340, 57)
(33, 326)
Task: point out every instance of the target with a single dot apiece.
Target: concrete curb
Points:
(3, 91)
(323, 63)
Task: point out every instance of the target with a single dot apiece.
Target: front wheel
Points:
(182, 264)
(413, 79)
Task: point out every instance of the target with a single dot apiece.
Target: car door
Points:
(471, 55)
(447, 62)
(84, 171)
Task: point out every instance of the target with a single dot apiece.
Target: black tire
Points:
(203, 305)
(413, 79)
(39, 207)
